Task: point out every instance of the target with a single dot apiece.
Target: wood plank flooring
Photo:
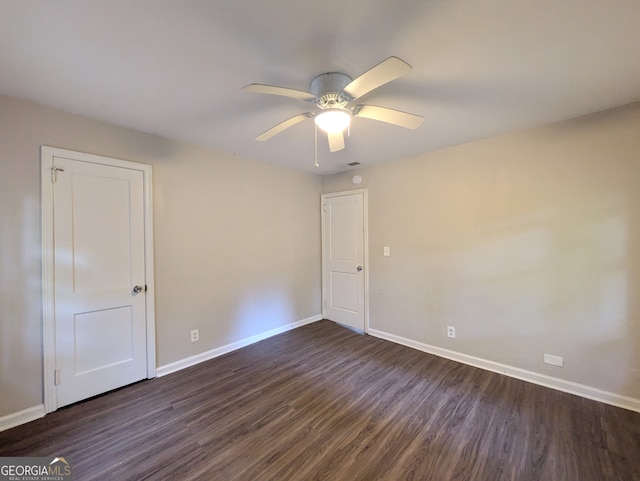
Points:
(324, 403)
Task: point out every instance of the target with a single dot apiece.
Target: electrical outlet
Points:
(451, 332)
(553, 360)
(195, 335)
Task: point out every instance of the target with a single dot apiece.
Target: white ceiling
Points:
(176, 68)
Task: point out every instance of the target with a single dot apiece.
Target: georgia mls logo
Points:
(59, 467)
(35, 469)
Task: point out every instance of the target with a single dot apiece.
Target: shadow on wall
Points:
(560, 278)
(20, 295)
(262, 310)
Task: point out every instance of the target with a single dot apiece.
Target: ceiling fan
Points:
(335, 96)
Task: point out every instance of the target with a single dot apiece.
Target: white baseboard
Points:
(570, 387)
(219, 351)
(21, 417)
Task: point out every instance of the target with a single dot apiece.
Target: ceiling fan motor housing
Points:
(328, 90)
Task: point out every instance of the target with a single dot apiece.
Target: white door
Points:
(344, 259)
(99, 272)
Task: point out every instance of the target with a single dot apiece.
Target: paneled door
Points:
(99, 309)
(344, 259)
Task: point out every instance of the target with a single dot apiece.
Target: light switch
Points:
(387, 251)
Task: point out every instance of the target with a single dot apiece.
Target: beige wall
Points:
(237, 243)
(526, 243)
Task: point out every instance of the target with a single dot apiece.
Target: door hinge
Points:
(326, 304)
(54, 173)
(324, 207)
(56, 377)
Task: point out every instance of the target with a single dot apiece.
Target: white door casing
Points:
(345, 259)
(98, 332)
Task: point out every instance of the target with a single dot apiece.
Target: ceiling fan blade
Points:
(386, 71)
(282, 91)
(391, 116)
(336, 141)
(283, 125)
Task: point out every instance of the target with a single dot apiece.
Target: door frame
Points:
(365, 238)
(47, 155)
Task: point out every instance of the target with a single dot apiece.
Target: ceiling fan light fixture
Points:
(333, 121)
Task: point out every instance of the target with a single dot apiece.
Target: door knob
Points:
(137, 289)
(359, 268)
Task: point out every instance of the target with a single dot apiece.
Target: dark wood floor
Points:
(324, 403)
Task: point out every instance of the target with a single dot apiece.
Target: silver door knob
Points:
(359, 268)
(137, 289)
